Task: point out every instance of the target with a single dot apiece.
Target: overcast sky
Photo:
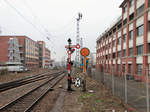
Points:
(56, 19)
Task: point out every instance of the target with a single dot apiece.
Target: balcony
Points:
(10, 48)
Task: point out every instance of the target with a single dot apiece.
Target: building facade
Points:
(125, 46)
(44, 55)
(19, 49)
(31, 54)
(47, 58)
(12, 54)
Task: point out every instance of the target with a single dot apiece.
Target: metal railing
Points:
(131, 91)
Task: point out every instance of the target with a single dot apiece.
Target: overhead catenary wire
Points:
(27, 20)
(36, 18)
(41, 25)
(20, 14)
(23, 17)
(67, 25)
(32, 24)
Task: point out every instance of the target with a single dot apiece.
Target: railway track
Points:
(26, 102)
(27, 80)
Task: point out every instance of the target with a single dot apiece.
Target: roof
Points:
(110, 27)
(123, 3)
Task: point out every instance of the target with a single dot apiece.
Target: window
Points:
(131, 52)
(139, 69)
(131, 2)
(119, 54)
(114, 43)
(109, 56)
(140, 10)
(106, 57)
(113, 55)
(140, 50)
(125, 37)
(109, 45)
(119, 40)
(148, 25)
(140, 30)
(124, 52)
(125, 21)
(114, 30)
(125, 8)
(119, 26)
(114, 35)
(131, 35)
(131, 17)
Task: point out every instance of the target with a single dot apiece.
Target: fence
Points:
(132, 91)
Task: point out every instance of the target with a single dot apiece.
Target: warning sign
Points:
(85, 52)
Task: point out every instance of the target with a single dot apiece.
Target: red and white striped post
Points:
(70, 51)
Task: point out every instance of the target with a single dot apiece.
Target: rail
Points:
(26, 102)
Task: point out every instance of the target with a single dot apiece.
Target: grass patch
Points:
(99, 101)
(87, 95)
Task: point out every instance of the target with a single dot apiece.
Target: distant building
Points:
(44, 55)
(47, 58)
(125, 45)
(12, 54)
(20, 49)
(25, 51)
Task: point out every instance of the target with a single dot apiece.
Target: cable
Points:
(29, 8)
(36, 18)
(43, 27)
(47, 32)
(20, 14)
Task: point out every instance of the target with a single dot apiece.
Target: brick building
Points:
(44, 55)
(27, 48)
(47, 58)
(12, 54)
(126, 44)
